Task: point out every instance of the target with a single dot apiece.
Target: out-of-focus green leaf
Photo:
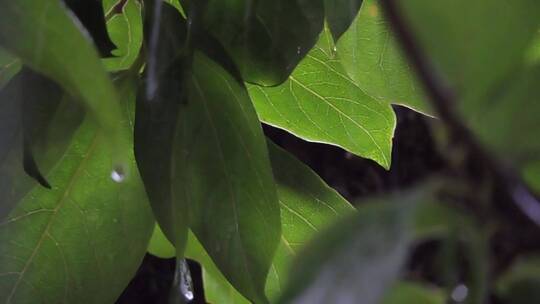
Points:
(222, 148)
(340, 14)
(356, 260)
(508, 120)
(307, 204)
(69, 244)
(531, 174)
(125, 30)
(265, 38)
(373, 59)
(9, 66)
(474, 44)
(156, 125)
(46, 38)
(520, 284)
(532, 54)
(321, 103)
(413, 293)
(160, 246)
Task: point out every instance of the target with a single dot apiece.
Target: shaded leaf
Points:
(69, 244)
(157, 125)
(321, 103)
(126, 30)
(373, 59)
(91, 15)
(265, 38)
(44, 36)
(223, 149)
(340, 14)
(460, 37)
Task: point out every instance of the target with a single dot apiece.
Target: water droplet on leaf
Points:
(182, 291)
(118, 175)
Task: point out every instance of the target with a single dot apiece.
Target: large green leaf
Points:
(69, 244)
(357, 259)
(226, 175)
(156, 124)
(265, 38)
(473, 43)
(340, 14)
(46, 38)
(307, 204)
(373, 59)
(320, 103)
(9, 66)
(125, 30)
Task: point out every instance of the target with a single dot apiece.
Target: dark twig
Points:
(443, 101)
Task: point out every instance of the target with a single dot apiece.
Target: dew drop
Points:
(298, 49)
(182, 291)
(118, 174)
(460, 292)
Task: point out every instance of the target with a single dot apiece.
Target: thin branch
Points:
(444, 101)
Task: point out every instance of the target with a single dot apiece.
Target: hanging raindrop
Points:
(182, 291)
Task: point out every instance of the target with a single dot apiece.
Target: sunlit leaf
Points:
(160, 246)
(321, 103)
(373, 59)
(413, 293)
(125, 30)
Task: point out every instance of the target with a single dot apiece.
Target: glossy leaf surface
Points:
(373, 59)
(265, 38)
(69, 244)
(47, 39)
(320, 103)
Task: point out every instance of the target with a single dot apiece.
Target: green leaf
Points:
(46, 38)
(474, 44)
(125, 30)
(340, 14)
(519, 284)
(357, 259)
(373, 59)
(160, 246)
(307, 204)
(91, 16)
(226, 175)
(507, 121)
(69, 244)
(9, 66)
(321, 103)
(265, 38)
(157, 125)
(413, 293)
